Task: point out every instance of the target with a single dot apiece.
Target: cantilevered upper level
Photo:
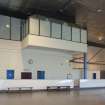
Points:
(50, 33)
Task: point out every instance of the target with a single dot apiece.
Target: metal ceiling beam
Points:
(65, 5)
(77, 58)
(96, 44)
(97, 53)
(93, 63)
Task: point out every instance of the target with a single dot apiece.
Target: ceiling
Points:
(90, 13)
(60, 9)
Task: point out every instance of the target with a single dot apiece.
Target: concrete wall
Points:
(10, 58)
(35, 84)
(90, 74)
(40, 41)
(54, 62)
(92, 83)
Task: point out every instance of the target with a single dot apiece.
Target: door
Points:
(40, 74)
(94, 75)
(10, 74)
(26, 75)
(102, 75)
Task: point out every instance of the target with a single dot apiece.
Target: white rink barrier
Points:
(92, 83)
(35, 84)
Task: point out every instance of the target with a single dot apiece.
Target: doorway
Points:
(94, 76)
(102, 74)
(40, 74)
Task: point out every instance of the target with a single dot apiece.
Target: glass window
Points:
(83, 36)
(56, 30)
(4, 27)
(15, 29)
(75, 34)
(34, 26)
(27, 26)
(23, 23)
(44, 28)
(66, 32)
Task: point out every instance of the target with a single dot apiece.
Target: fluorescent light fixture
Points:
(100, 38)
(67, 61)
(7, 26)
(99, 10)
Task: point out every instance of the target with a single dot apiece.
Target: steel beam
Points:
(93, 63)
(85, 66)
(96, 44)
(97, 53)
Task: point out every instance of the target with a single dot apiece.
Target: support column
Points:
(85, 66)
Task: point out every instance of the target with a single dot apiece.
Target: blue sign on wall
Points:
(10, 74)
(40, 74)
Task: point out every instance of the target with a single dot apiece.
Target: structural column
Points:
(85, 66)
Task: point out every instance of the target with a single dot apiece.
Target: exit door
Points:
(10, 74)
(40, 74)
(102, 75)
(94, 75)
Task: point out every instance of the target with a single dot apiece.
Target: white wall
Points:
(10, 58)
(92, 83)
(35, 84)
(40, 41)
(53, 62)
(76, 74)
(90, 74)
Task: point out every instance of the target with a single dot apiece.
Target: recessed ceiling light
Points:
(67, 61)
(99, 10)
(7, 26)
(100, 38)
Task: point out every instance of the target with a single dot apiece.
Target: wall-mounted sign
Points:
(10, 74)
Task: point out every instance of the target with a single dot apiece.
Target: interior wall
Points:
(54, 62)
(94, 57)
(46, 42)
(10, 58)
(90, 74)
